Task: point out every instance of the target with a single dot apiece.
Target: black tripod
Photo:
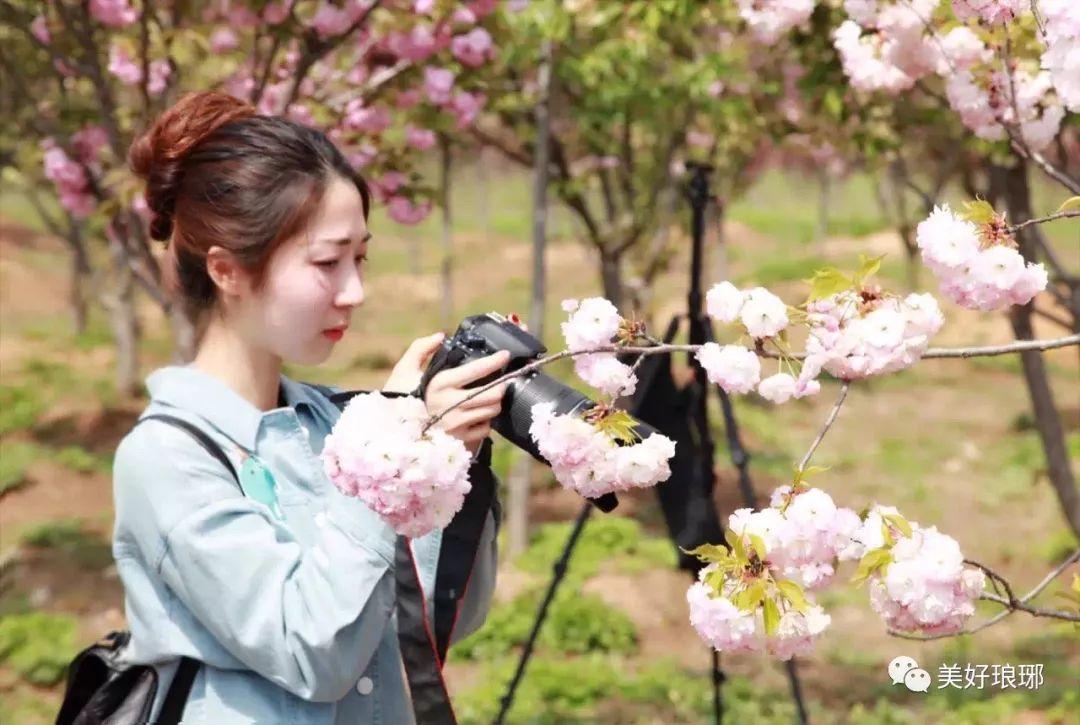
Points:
(686, 498)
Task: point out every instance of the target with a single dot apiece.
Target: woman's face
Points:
(313, 282)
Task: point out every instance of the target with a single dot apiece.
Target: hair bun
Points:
(157, 156)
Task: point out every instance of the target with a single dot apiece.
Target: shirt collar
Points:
(187, 387)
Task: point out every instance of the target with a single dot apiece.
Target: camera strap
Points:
(424, 640)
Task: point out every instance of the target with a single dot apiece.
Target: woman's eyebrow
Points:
(345, 241)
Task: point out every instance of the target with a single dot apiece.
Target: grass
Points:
(37, 645)
(70, 538)
(15, 460)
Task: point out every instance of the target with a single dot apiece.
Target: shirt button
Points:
(364, 686)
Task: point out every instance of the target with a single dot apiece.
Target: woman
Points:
(288, 605)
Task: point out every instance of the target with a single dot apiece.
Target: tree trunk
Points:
(482, 192)
(184, 335)
(447, 269)
(80, 276)
(1011, 185)
(611, 278)
(125, 327)
(518, 487)
(824, 203)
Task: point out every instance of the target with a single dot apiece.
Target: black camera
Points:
(482, 335)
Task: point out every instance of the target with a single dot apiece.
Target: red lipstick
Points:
(335, 334)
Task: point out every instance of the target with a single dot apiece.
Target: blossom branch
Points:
(1048, 218)
(828, 424)
(1010, 603)
(942, 352)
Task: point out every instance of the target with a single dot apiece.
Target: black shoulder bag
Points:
(100, 689)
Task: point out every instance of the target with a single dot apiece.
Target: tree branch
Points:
(828, 424)
(1043, 219)
(958, 352)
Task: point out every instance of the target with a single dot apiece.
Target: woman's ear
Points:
(225, 271)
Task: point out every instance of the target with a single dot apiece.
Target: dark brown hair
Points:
(219, 173)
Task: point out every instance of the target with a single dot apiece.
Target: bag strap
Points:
(460, 543)
(204, 440)
(172, 709)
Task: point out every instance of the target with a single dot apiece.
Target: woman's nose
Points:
(353, 292)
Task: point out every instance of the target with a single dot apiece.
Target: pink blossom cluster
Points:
(991, 12)
(883, 46)
(377, 453)
(474, 48)
(856, 335)
(404, 210)
(586, 460)
(439, 91)
(734, 368)
(987, 103)
(726, 628)
(593, 322)
(888, 46)
(925, 587)
(762, 313)
(129, 72)
(330, 20)
(1061, 23)
(971, 274)
(113, 13)
(804, 533)
(769, 19)
(70, 175)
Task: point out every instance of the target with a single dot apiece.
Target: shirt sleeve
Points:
(309, 620)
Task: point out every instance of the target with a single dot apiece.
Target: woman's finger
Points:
(423, 348)
(472, 416)
(462, 375)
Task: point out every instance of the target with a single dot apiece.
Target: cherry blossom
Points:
(378, 453)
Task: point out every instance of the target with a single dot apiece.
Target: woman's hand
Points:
(410, 368)
(470, 422)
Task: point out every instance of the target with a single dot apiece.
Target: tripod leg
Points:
(718, 678)
(741, 458)
(559, 571)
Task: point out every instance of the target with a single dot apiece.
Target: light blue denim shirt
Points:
(293, 618)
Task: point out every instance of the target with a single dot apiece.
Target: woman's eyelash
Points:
(331, 263)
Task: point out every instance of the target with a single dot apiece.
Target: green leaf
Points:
(748, 599)
(715, 580)
(619, 426)
(1070, 204)
(871, 562)
(802, 475)
(772, 617)
(899, 522)
(868, 266)
(736, 543)
(833, 102)
(759, 545)
(708, 552)
(977, 212)
(886, 533)
(793, 593)
(827, 282)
